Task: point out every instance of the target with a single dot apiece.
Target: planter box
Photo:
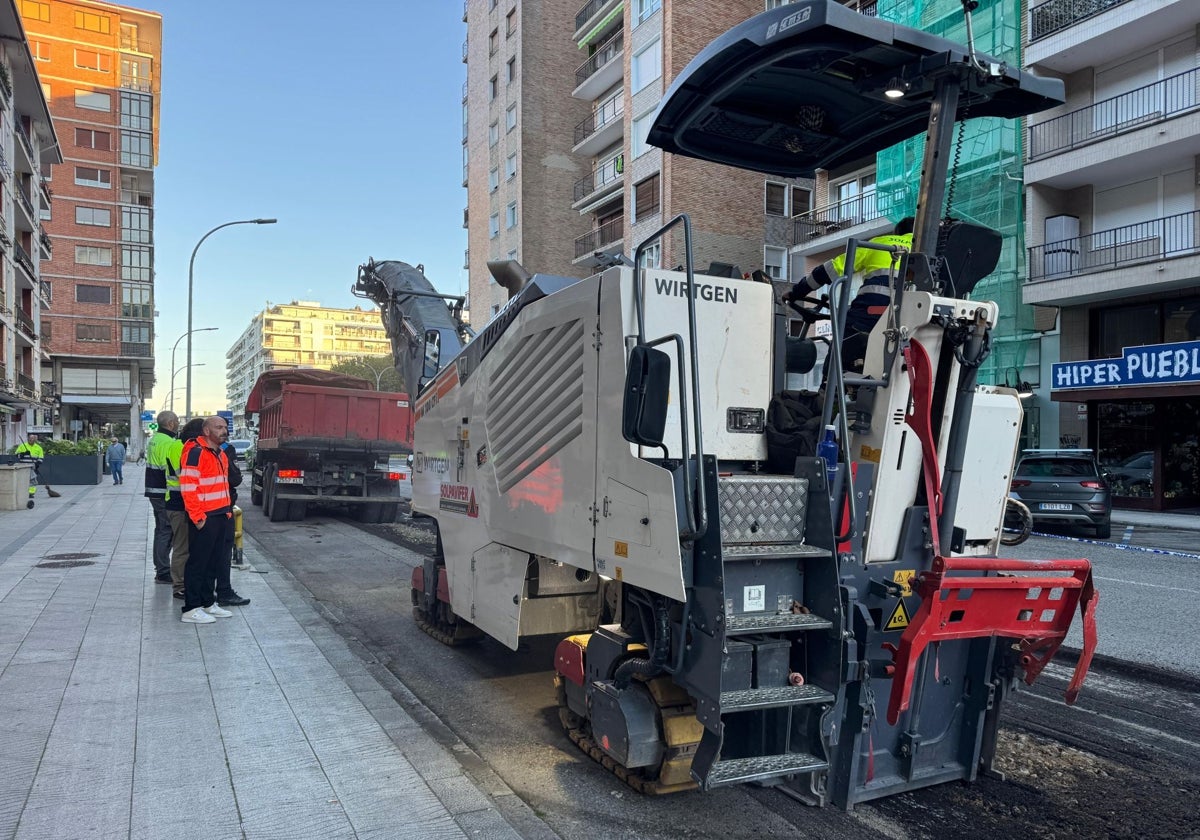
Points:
(72, 469)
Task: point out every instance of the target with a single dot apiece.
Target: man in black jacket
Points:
(226, 597)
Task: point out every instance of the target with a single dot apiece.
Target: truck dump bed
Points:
(343, 414)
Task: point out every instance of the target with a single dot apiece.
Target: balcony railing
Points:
(129, 42)
(136, 349)
(597, 238)
(47, 245)
(25, 322)
(602, 116)
(26, 383)
(606, 173)
(132, 82)
(466, 3)
(603, 54)
(24, 260)
(26, 143)
(1171, 236)
(587, 12)
(464, 98)
(464, 52)
(142, 199)
(25, 202)
(824, 220)
(1056, 15)
(1118, 115)
(44, 293)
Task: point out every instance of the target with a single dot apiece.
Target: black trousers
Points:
(204, 555)
(162, 538)
(224, 587)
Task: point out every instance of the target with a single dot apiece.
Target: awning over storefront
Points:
(1147, 392)
(96, 399)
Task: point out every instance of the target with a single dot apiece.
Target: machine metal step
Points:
(739, 770)
(765, 698)
(785, 551)
(775, 623)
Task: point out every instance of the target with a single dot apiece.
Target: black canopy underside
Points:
(801, 88)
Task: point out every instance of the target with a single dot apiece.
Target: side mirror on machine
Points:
(647, 392)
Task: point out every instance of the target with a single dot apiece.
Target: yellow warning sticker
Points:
(619, 573)
(870, 453)
(905, 578)
(899, 619)
(621, 549)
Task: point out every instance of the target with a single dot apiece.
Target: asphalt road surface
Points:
(1124, 762)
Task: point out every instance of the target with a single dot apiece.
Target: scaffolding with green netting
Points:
(985, 170)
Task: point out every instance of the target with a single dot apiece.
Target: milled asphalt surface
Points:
(119, 721)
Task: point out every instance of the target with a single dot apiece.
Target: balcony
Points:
(602, 70)
(26, 203)
(26, 143)
(130, 81)
(602, 129)
(44, 294)
(136, 349)
(26, 384)
(24, 261)
(47, 245)
(25, 322)
(464, 52)
(601, 182)
(591, 15)
(1113, 117)
(466, 3)
(1095, 267)
(599, 238)
(464, 97)
(129, 42)
(141, 199)
(1058, 42)
(857, 216)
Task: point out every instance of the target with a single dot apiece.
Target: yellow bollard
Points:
(238, 554)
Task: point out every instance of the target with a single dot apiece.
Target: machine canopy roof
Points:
(801, 88)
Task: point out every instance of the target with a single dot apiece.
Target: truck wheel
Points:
(268, 496)
(280, 508)
(256, 496)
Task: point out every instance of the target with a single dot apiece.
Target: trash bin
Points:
(14, 486)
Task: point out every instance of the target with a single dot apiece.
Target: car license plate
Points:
(1054, 506)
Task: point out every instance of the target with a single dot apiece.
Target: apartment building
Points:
(28, 149)
(1114, 237)
(99, 68)
(558, 100)
(299, 334)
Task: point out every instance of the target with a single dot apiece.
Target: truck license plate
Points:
(1053, 506)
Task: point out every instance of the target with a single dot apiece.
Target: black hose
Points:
(660, 648)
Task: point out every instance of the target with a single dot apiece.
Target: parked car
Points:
(1064, 486)
(239, 448)
(1135, 472)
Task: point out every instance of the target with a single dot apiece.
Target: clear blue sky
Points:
(344, 122)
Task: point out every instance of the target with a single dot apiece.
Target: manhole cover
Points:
(66, 564)
(71, 555)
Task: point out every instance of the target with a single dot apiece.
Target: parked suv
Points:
(1065, 486)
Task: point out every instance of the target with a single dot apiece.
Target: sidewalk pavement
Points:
(118, 720)
(1181, 520)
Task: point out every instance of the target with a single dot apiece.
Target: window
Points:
(493, 134)
(88, 138)
(494, 42)
(92, 60)
(93, 294)
(510, 166)
(135, 302)
(510, 215)
(652, 256)
(135, 73)
(641, 128)
(647, 65)
(136, 111)
(775, 199)
(510, 23)
(86, 176)
(493, 87)
(136, 149)
(645, 8)
(494, 225)
(91, 22)
(775, 4)
(92, 255)
(40, 50)
(855, 197)
(135, 333)
(493, 179)
(97, 216)
(135, 263)
(645, 198)
(774, 260)
(92, 100)
(510, 71)
(801, 201)
(93, 332)
(35, 10)
(135, 224)
(510, 117)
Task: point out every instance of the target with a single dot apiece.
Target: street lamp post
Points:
(173, 349)
(171, 396)
(191, 267)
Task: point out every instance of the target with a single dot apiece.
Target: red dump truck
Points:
(329, 438)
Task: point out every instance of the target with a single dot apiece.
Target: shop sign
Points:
(1155, 364)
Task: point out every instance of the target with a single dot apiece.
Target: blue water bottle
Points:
(827, 450)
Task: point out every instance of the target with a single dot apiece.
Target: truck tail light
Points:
(1020, 482)
(291, 473)
(396, 476)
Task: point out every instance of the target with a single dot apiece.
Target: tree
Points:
(377, 370)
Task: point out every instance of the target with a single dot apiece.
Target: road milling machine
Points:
(600, 464)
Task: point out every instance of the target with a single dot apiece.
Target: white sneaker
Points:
(197, 616)
(219, 612)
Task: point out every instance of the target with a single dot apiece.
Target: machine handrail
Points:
(697, 509)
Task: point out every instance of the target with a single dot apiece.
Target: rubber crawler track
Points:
(452, 635)
(581, 737)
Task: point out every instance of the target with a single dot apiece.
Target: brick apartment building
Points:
(557, 103)
(28, 148)
(98, 64)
